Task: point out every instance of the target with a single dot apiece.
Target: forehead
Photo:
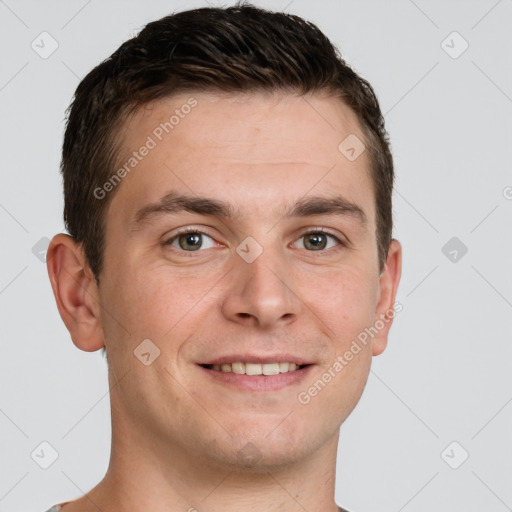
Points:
(254, 148)
(283, 118)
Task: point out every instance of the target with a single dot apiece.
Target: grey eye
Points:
(318, 241)
(191, 241)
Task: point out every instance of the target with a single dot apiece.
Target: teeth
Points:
(256, 368)
(253, 369)
(270, 368)
(238, 368)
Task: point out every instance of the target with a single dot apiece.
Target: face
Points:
(243, 235)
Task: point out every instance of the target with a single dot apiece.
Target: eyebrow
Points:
(305, 207)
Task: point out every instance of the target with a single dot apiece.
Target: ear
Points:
(75, 291)
(388, 286)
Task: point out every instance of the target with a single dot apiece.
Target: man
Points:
(227, 183)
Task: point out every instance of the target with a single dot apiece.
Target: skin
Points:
(179, 435)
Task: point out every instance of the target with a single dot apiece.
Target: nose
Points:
(262, 293)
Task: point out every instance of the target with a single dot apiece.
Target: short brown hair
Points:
(236, 49)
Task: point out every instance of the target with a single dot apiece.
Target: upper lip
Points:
(252, 358)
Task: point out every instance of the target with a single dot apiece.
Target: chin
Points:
(253, 458)
(265, 449)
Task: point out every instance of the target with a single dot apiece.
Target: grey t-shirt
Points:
(56, 508)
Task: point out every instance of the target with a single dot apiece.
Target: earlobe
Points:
(75, 291)
(388, 286)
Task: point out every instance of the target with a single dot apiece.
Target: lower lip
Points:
(259, 382)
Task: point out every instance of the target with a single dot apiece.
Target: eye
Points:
(318, 240)
(190, 240)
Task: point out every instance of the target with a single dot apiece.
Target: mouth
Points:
(241, 368)
(256, 375)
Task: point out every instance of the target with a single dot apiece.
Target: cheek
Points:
(351, 308)
(157, 302)
(345, 300)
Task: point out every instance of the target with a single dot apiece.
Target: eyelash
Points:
(192, 229)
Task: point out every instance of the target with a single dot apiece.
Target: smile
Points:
(240, 368)
(256, 376)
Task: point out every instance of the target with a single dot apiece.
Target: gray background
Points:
(445, 375)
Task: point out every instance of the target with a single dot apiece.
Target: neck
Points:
(168, 478)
